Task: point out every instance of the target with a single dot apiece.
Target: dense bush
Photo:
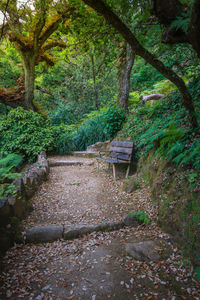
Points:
(100, 128)
(97, 126)
(64, 139)
(25, 133)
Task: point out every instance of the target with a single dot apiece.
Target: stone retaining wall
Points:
(15, 206)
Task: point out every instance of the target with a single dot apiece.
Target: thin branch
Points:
(4, 19)
(39, 88)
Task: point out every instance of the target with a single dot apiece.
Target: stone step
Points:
(61, 163)
(50, 233)
(85, 154)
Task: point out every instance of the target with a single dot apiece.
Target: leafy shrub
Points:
(64, 139)
(26, 133)
(113, 120)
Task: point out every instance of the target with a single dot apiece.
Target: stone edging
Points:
(15, 206)
(50, 233)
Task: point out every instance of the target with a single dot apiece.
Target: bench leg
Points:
(98, 165)
(127, 172)
(114, 172)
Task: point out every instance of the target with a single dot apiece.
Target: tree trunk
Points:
(194, 27)
(168, 11)
(94, 84)
(124, 73)
(115, 21)
(29, 74)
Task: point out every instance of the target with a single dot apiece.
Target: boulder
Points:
(130, 220)
(130, 185)
(144, 251)
(98, 146)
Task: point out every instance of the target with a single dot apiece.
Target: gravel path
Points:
(96, 266)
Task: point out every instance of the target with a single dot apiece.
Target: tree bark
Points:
(124, 73)
(29, 79)
(116, 22)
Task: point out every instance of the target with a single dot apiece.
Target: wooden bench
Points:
(119, 153)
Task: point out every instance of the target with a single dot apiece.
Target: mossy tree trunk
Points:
(126, 61)
(28, 60)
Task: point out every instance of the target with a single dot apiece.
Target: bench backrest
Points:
(122, 150)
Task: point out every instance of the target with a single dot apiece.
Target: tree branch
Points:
(53, 44)
(114, 20)
(39, 88)
(4, 18)
(153, 97)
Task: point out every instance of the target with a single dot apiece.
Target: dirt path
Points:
(96, 266)
(80, 194)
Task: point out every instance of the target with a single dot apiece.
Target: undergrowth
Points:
(164, 128)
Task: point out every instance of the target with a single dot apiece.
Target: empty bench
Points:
(119, 153)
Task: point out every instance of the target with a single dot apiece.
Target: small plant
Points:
(141, 216)
(10, 191)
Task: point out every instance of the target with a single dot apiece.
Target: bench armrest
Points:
(102, 152)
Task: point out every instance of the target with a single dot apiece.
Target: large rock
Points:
(48, 233)
(144, 251)
(98, 146)
(130, 220)
(130, 185)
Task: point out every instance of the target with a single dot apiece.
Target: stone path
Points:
(101, 265)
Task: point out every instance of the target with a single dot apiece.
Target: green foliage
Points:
(141, 216)
(9, 66)
(7, 166)
(181, 22)
(170, 135)
(90, 132)
(26, 133)
(67, 113)
(97, 126)
(64, 139)
(113, 120)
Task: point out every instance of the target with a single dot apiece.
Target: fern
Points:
(7, 166)
(181, 22)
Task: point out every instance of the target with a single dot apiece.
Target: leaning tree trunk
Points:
(124, 72)
(29, 79)
(116, 22)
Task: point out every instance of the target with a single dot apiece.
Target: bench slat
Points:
(122, 144)
(122, 156)
(121, 150)
(112, 161)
